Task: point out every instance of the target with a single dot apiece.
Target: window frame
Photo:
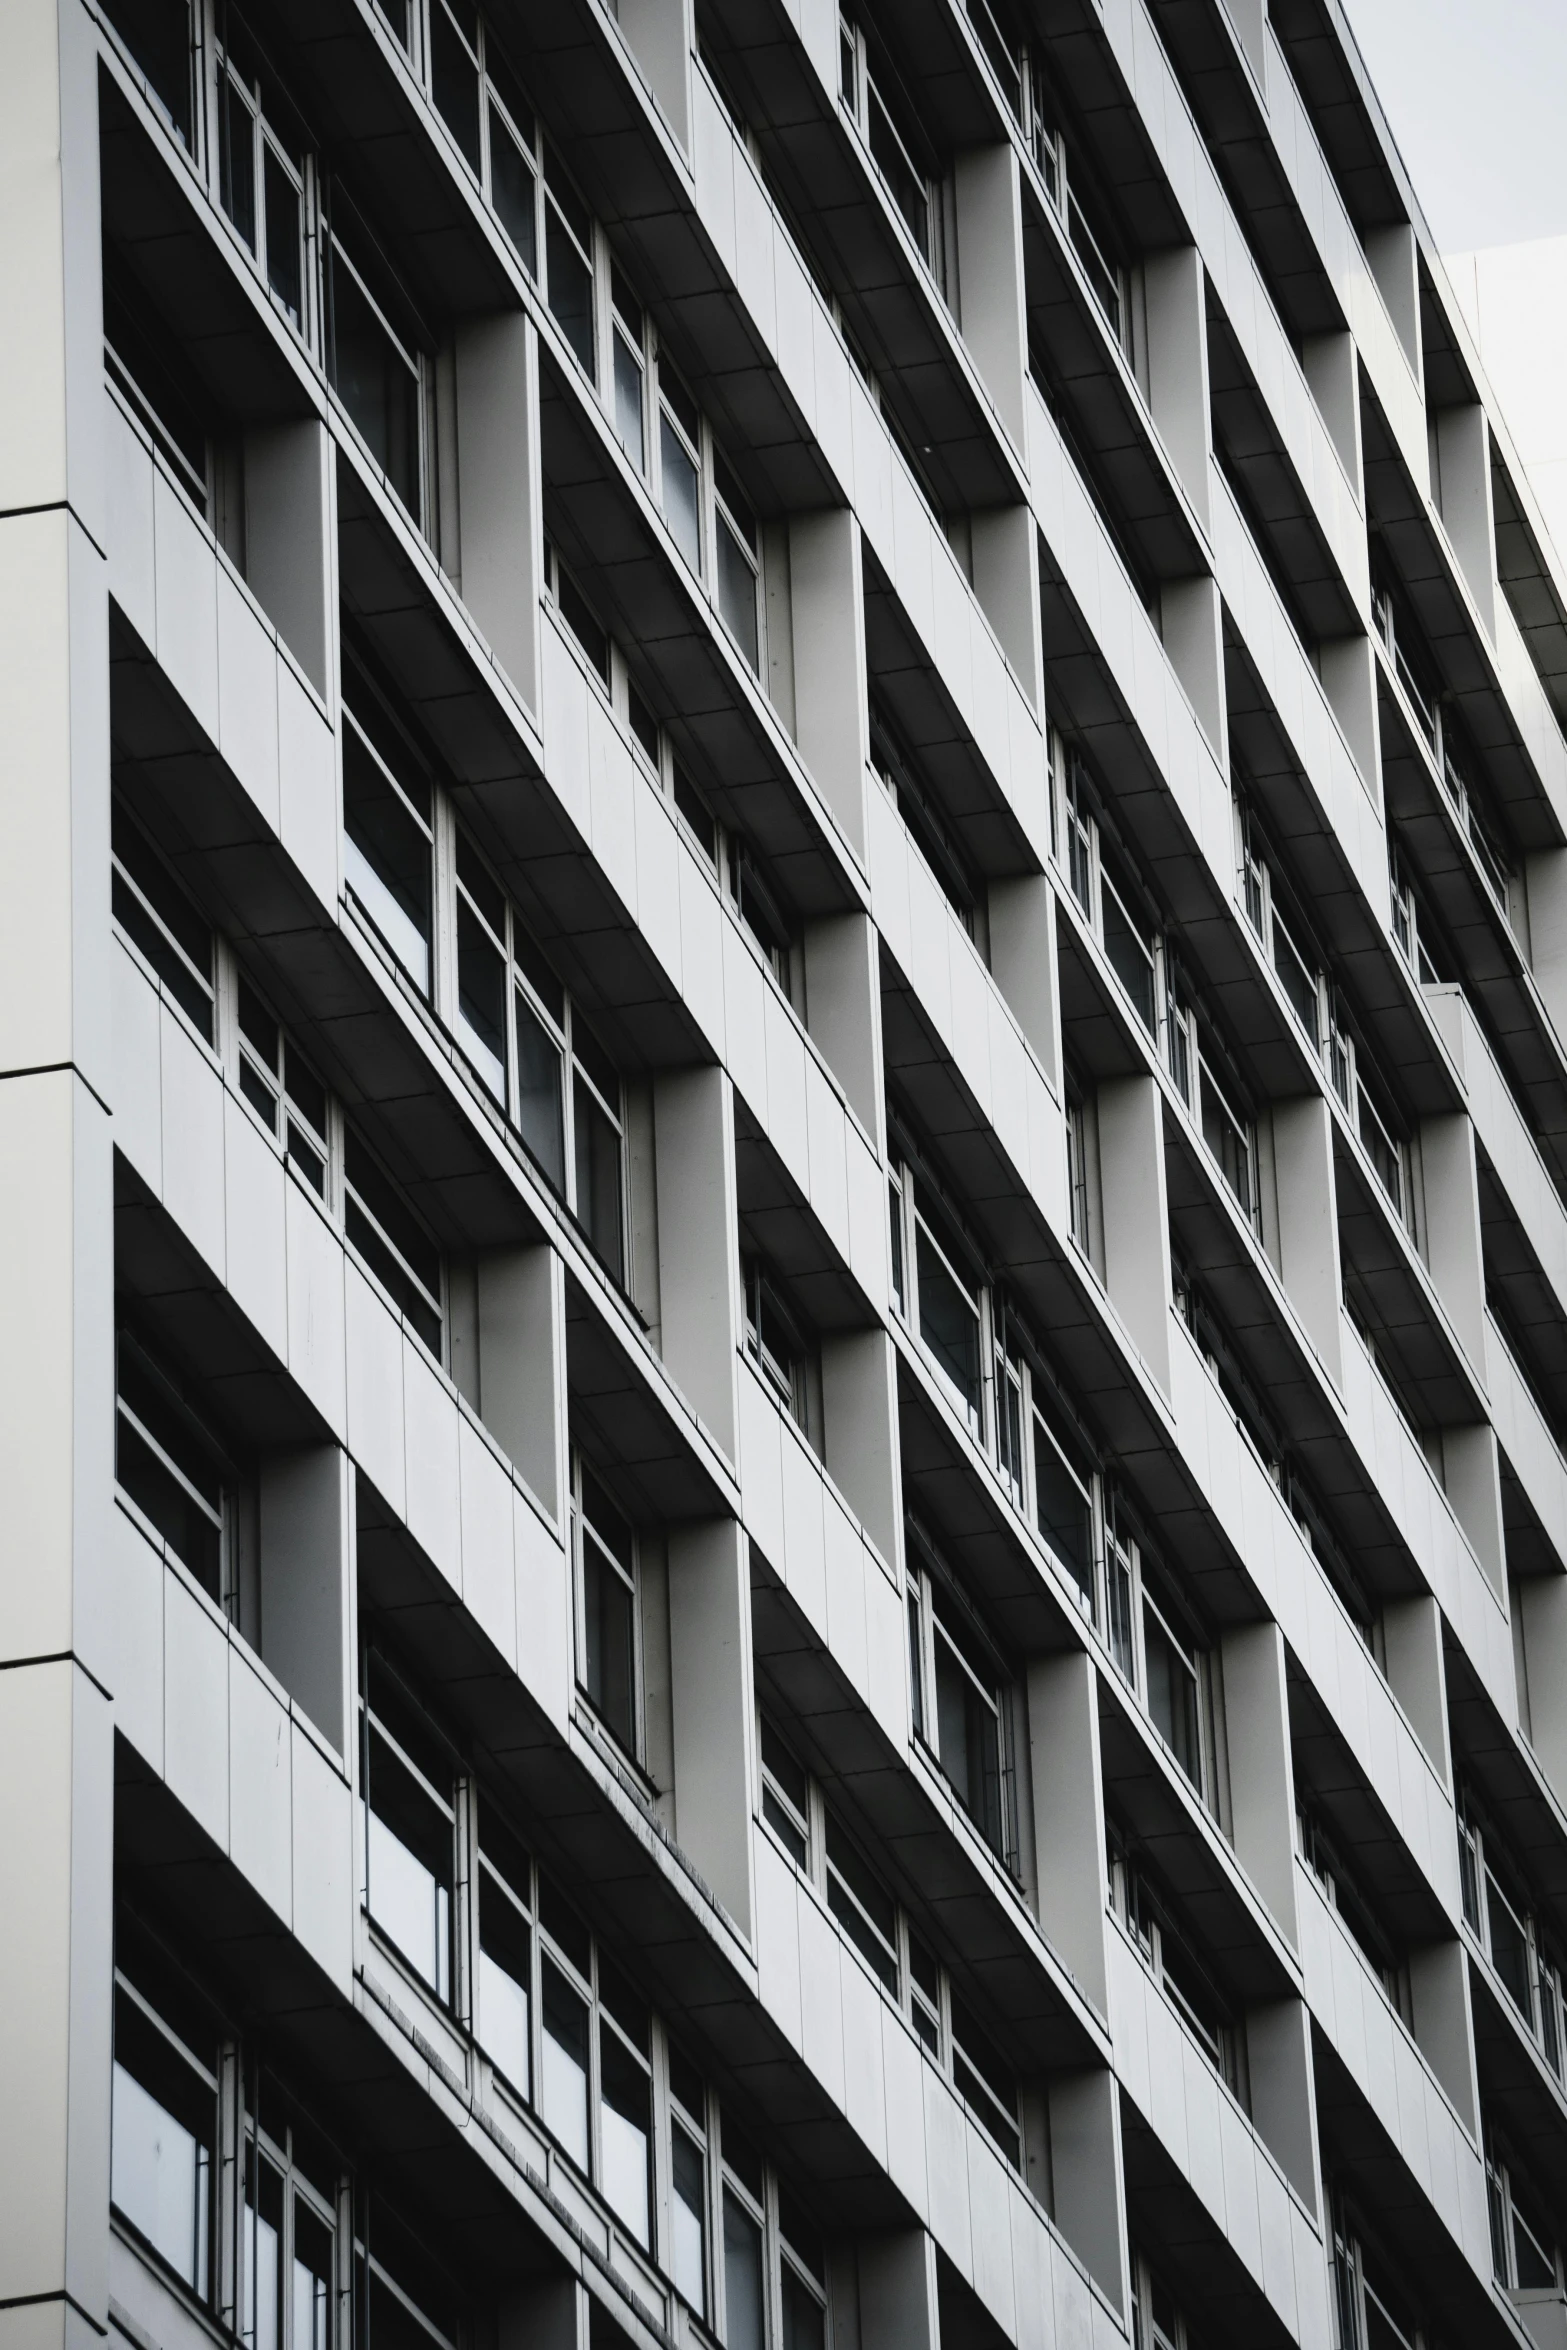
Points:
(629, 1576)
(933, 1594)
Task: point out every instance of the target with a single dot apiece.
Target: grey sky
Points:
(1475, 91)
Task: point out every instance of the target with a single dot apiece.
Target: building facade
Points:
(783, 982)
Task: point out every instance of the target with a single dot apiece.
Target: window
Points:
(1171, 1956)
(628, 370)
(283, 1090)
(537, 1055)
(1076, 1124)
(944, 1292)
(828, 1856)
(1159, 1649)
(377, 374)
(568, 262)
(1507, 1925)
(1100, 873)
(1369, 2308)
(163, 2145)
(262, 176)
(288, 2230)
(774, 1341)
(1345, 1896)
(1082, 216)
(875, 100)
(389, 827)
(927, 827)
(409, 1788)
(170, 1466)
(761, 908)
(384, 1231)
(1359, 1085)
(608, 1642)
(1229, 1134)
(1157, 2322)
(578, 614)
(1524, 2253)
(159, 36)
(1295, 967)
(153, 912)
(680, 464)
(772, 2255)
(688, 2183)
(962, 1696)
(409, 2302)
(738, 562)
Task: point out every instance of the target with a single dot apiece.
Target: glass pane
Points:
(173, 936)
(625, 2132)
(1298, 981)
(563, 2077)
(514, 192)
(538, 1093)
(387, 858)
(1509, 1948)
(737, 591)
(158, 35)
(376, 384)
(282, 208)
(238, 162)
(1536, 2267)
(1066, 1517)
(682, 501)
(949, 1321)
(598, 1179)
(481, 997)
(969, 1736)
(312, 2281)
(262, 2253)
(570, 286)
(191, 1534)
(1227, 1139)
(608, 1642)
(904, 183)
(1130, 955)
(804, 2320)
(409, 1865)
(1118, 1608)
(504, 1975)
(628, 402)
(743, 2324)
(688, 2220)
(1172, 1695)
(161, 2145)
(454, 83)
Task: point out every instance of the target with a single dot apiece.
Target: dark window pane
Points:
(505, 1976)
(282, 209)
(580, 618)
(409, 1865)
(481, 996)
(376, 384)
(608, 1642)
(949, 1321)
(737, 591)
(688, 2219)
(454, 82)
(157, 34)
(743, 2328)
(1066, 1517)
(563, 2079)
(625, 2133)
(570, 285)
(804, 2321)
(162, 2145)
(172, 924)
(598, 1180)
(389, 858)
(237, 161)
(514, 192)
(538, 1093)
(682, 499)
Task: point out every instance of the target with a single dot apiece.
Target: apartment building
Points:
(783, 981)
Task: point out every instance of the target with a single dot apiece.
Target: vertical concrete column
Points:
(712, 1703)
(698, 1241)
(1454, 1250)
(988, 199)
(521, 1388)
(1347, 667)
(860, 1422)
(1332, 376)
(1412, 1642)
(57, 1662)
(827, 592)
(1175, 303)
(1308, 1224)
(1262, 1772)
(1088, 2176)
(1003, 543)
(500, 502)
(1283, 2092)
(661, 35)
(1023, 961)
(1394, 260)
(1541, 1608)
(1191, 622)
(291, 541)
(1136, 1215)
(1463, 497)
(1472, 1480)
(1444, 2024)
(897, 2292)
(1069, 1815)
(1545, 884)
(843, 1011)
(306, 1558)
